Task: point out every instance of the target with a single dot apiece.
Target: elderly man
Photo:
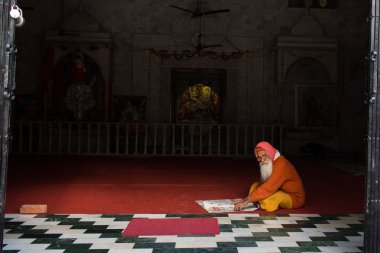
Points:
(280, 185)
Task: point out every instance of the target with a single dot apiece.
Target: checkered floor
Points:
(240, 233)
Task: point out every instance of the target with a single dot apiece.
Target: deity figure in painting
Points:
(198, 104)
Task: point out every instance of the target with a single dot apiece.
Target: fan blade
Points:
(199, 14)
(180, 8)
(216, 11)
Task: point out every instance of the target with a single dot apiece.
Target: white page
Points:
(222, 205)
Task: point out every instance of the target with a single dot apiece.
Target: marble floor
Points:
(239, 232)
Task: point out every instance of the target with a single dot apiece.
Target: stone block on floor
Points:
(33, 209)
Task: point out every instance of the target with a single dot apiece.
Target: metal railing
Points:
(104, 138)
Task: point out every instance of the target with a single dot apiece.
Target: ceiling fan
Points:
(198, 44)
(197, 40)
(198, 12)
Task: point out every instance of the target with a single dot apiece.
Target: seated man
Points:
(280, 185)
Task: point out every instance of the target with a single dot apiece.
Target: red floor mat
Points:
(172, 226)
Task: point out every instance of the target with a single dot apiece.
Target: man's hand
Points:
(240, 204)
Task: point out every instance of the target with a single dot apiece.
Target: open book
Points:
(223, 205)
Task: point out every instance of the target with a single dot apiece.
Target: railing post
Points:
(228, 140)
(117, 138)
(20, 136)
(209, 139)
(182, 139)
(164, 140)
(79, 144)
(200, 140)
(39, 137)
(108, 138)
(237, 140)
(98, 138)
(136, 138)
(69, 139)
(219, 139)
(30, 137)
(146, 139)
(60, 138)
(173, 139)
(155, 139)
(88, 138)
(192, 139)
(126, 139)
(50, 136)
(245, 140)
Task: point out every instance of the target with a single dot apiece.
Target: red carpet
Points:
(106, 185)
(172, 226)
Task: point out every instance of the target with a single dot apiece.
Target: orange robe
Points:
(285, 178)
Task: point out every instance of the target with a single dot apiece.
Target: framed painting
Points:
(28, 107)
(198, 95)
(78, 89)
(315, 106)
(128, 108)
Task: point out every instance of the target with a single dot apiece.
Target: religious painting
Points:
(198, 95)
(77, 92)
(315, 106)
(199, 103)
(28, 107)
(321, 4)
(128, 108)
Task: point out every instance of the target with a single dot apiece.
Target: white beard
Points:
(266, 171)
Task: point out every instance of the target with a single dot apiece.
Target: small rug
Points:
(172, 226)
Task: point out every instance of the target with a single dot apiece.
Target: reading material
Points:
(222, 205)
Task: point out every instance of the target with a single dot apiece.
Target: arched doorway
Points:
(306, 79)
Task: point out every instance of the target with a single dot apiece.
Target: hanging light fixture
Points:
(16, 15)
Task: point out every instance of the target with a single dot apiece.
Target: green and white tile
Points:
(240, 233)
